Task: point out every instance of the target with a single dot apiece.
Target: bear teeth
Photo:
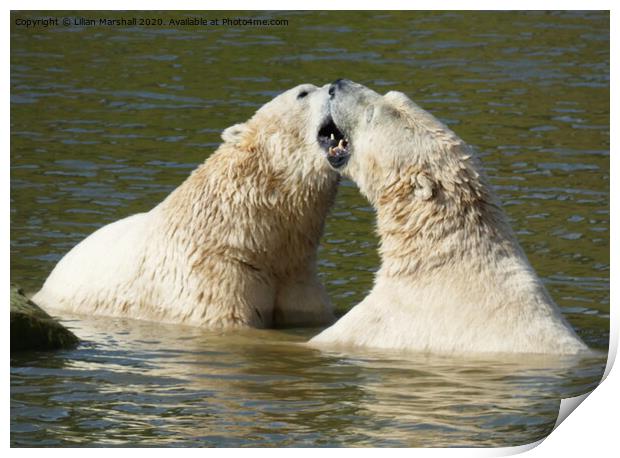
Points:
(338, 150)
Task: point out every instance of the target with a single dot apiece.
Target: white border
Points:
(589, 431)
(314, 5)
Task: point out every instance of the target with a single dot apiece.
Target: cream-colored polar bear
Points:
(234, 245)
(453, 277)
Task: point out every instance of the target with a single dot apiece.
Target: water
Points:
(106, 121)
(147, 384)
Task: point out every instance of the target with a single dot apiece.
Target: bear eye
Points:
(302, 94)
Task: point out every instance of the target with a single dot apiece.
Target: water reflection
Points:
(143, 383)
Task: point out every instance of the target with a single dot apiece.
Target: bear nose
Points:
(336, 85)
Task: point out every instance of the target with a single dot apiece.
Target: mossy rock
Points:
(33, 329)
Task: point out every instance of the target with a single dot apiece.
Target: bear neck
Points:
(235, 205)
(459, 224)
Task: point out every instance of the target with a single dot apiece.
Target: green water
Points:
(106, 121)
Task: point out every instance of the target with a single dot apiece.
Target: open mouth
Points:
(333, 142)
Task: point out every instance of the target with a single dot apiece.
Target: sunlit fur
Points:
(233, 246)
(453, 277)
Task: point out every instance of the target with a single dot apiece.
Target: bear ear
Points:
(423, 186)
(401, 102)
(397, 98)
(370, 113)
(234, 134)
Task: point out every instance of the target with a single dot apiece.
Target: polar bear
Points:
(233, 246)
(453, 278)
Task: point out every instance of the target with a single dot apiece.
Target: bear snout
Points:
(338, 85)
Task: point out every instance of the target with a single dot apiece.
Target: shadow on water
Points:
(106, 121)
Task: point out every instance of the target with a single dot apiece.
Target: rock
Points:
(33, 329)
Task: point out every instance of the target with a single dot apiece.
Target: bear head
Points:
(292, 132)
(390, 143)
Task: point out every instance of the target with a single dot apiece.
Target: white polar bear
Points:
(233, 246)
(453, 278)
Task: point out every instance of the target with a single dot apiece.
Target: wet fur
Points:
(453, 278)
(233, 246)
